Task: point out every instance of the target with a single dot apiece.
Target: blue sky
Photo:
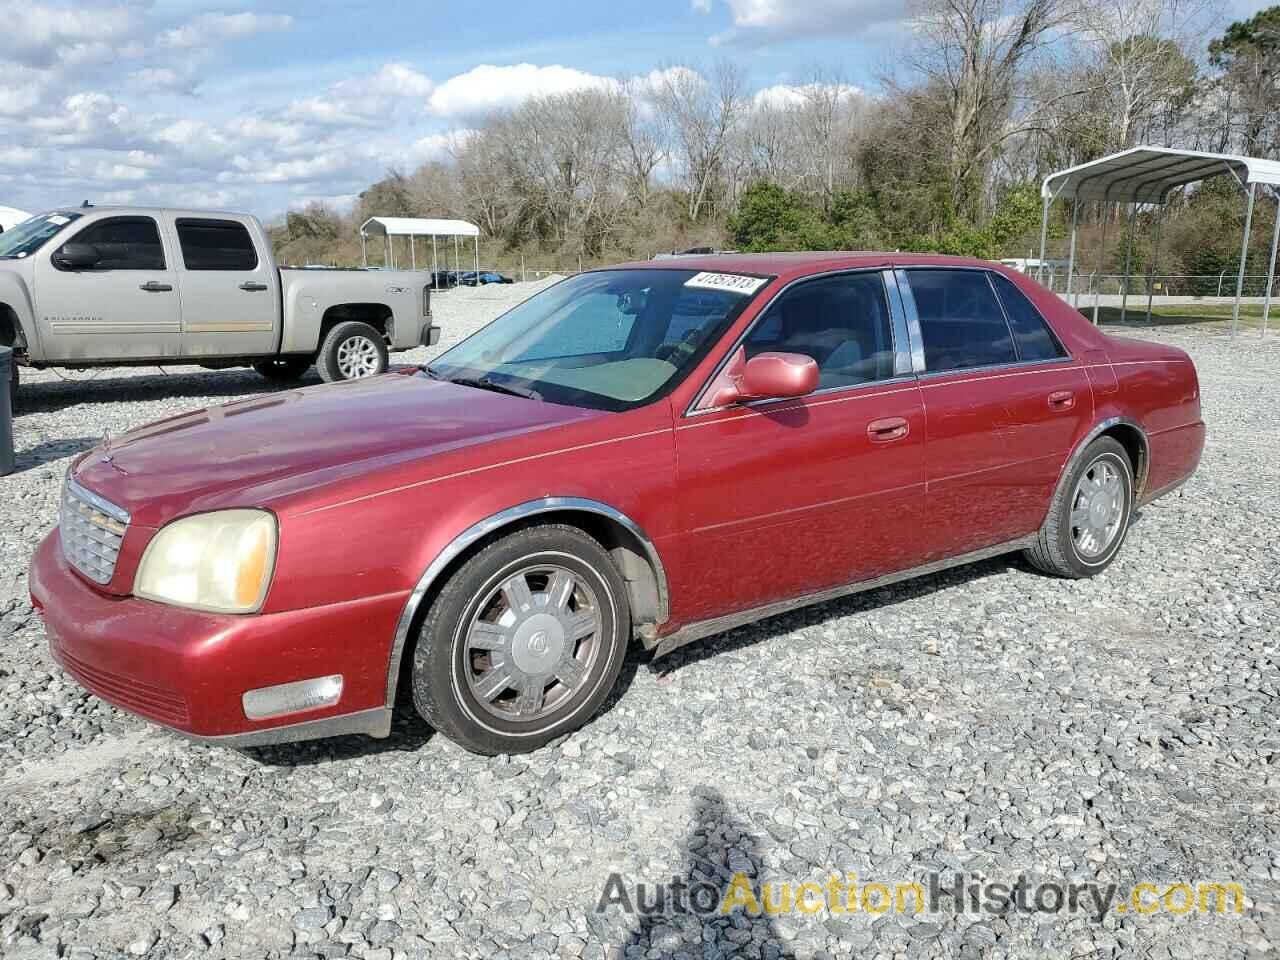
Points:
(262, 107)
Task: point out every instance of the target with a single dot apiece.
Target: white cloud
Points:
(213, 27)
(782, 95)
(150, 81)
(700, 6)
(760, 22)
(486, 87)
(365, 101)
(40, 34)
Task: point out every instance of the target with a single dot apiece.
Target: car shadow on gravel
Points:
(31, 457)
(721, 860)
(409, 733)
(881, 598)
(50, 396)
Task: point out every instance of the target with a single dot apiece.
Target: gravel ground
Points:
(988, 720)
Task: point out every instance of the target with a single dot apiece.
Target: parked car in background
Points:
(651, 453)
(111, 286)
(472, 279)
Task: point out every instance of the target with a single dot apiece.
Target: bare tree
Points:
(704, 113)
(1141, 63)
(977, 52)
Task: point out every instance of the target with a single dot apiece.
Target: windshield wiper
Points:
(484, 383)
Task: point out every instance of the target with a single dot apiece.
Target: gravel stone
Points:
(986, 720)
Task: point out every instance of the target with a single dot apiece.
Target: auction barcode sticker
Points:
(730, 282)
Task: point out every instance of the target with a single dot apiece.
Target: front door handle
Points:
(1062, 400)
(888, 429)
(155, 286)
(252, 287)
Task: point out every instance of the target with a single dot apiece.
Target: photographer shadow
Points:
(717, 849)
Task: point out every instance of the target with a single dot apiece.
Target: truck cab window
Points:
(124, 243)
(216, 245)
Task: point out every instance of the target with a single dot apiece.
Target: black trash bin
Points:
(6, 412)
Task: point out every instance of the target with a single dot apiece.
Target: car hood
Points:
(266, 449)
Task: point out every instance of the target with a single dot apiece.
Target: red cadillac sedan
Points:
(652, 453)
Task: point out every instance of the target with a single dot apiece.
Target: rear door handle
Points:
(1062, 400)
(155, 286)
(888, 429)
(252, 286)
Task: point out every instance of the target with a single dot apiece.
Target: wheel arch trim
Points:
(1141, 470)
(491, 524)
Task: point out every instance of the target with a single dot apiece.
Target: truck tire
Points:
(523, 643)
(352, 351)
(283, 369)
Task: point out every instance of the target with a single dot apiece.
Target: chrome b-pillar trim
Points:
(496, 522)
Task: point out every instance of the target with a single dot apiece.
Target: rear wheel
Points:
(352, 351)
(523, 643)
(283, 369)
(1089, 516)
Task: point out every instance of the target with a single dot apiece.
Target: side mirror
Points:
(76, 256)
(766, 376)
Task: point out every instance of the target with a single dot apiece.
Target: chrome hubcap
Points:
(532, 643)
(1097, 509)
(357, 357)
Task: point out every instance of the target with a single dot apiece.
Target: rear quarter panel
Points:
(307, 294)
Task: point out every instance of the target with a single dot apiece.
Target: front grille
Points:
(133, 695)
(91, 530)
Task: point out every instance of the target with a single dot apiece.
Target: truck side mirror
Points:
(76, 256)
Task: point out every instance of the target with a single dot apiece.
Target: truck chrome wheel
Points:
(1097, 508)
(532, 643)
(358, 357)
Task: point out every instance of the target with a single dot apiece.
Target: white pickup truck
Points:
(116, 286)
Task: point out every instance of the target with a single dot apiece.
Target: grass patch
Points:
(1175, 315)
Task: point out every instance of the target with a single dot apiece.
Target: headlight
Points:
(212, 561)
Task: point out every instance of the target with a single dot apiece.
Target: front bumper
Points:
(187, 670)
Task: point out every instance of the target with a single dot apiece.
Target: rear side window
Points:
(216, 245)
(1031, 335)
(124, 243)
(961, 321)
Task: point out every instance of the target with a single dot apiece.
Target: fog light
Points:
(292, 697)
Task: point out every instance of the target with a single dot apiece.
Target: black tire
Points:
(283, 369)
(1056, 550)
(346, 334)
(445, 670)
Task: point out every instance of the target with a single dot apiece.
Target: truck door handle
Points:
(155, 286)
(1062, 400)
(252, 286)
(888, 429)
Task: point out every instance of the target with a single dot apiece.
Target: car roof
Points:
(801, 263)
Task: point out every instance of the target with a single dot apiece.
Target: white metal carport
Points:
(1148, 176)
(414, 227)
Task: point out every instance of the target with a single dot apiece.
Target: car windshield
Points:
(30, 235)
(608, 339)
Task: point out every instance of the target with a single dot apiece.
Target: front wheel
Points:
(523, 643)
(1089, 516)
(283, 369)
(352, 351)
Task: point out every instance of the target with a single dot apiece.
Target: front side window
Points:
(215, 245)
(30, 235)
(124, 243)
(1031, 335)
(961, 321)
(842, 322)
(608, 339)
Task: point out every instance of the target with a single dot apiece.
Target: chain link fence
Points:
(1208, 285)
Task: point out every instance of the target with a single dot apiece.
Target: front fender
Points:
(15, 294)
